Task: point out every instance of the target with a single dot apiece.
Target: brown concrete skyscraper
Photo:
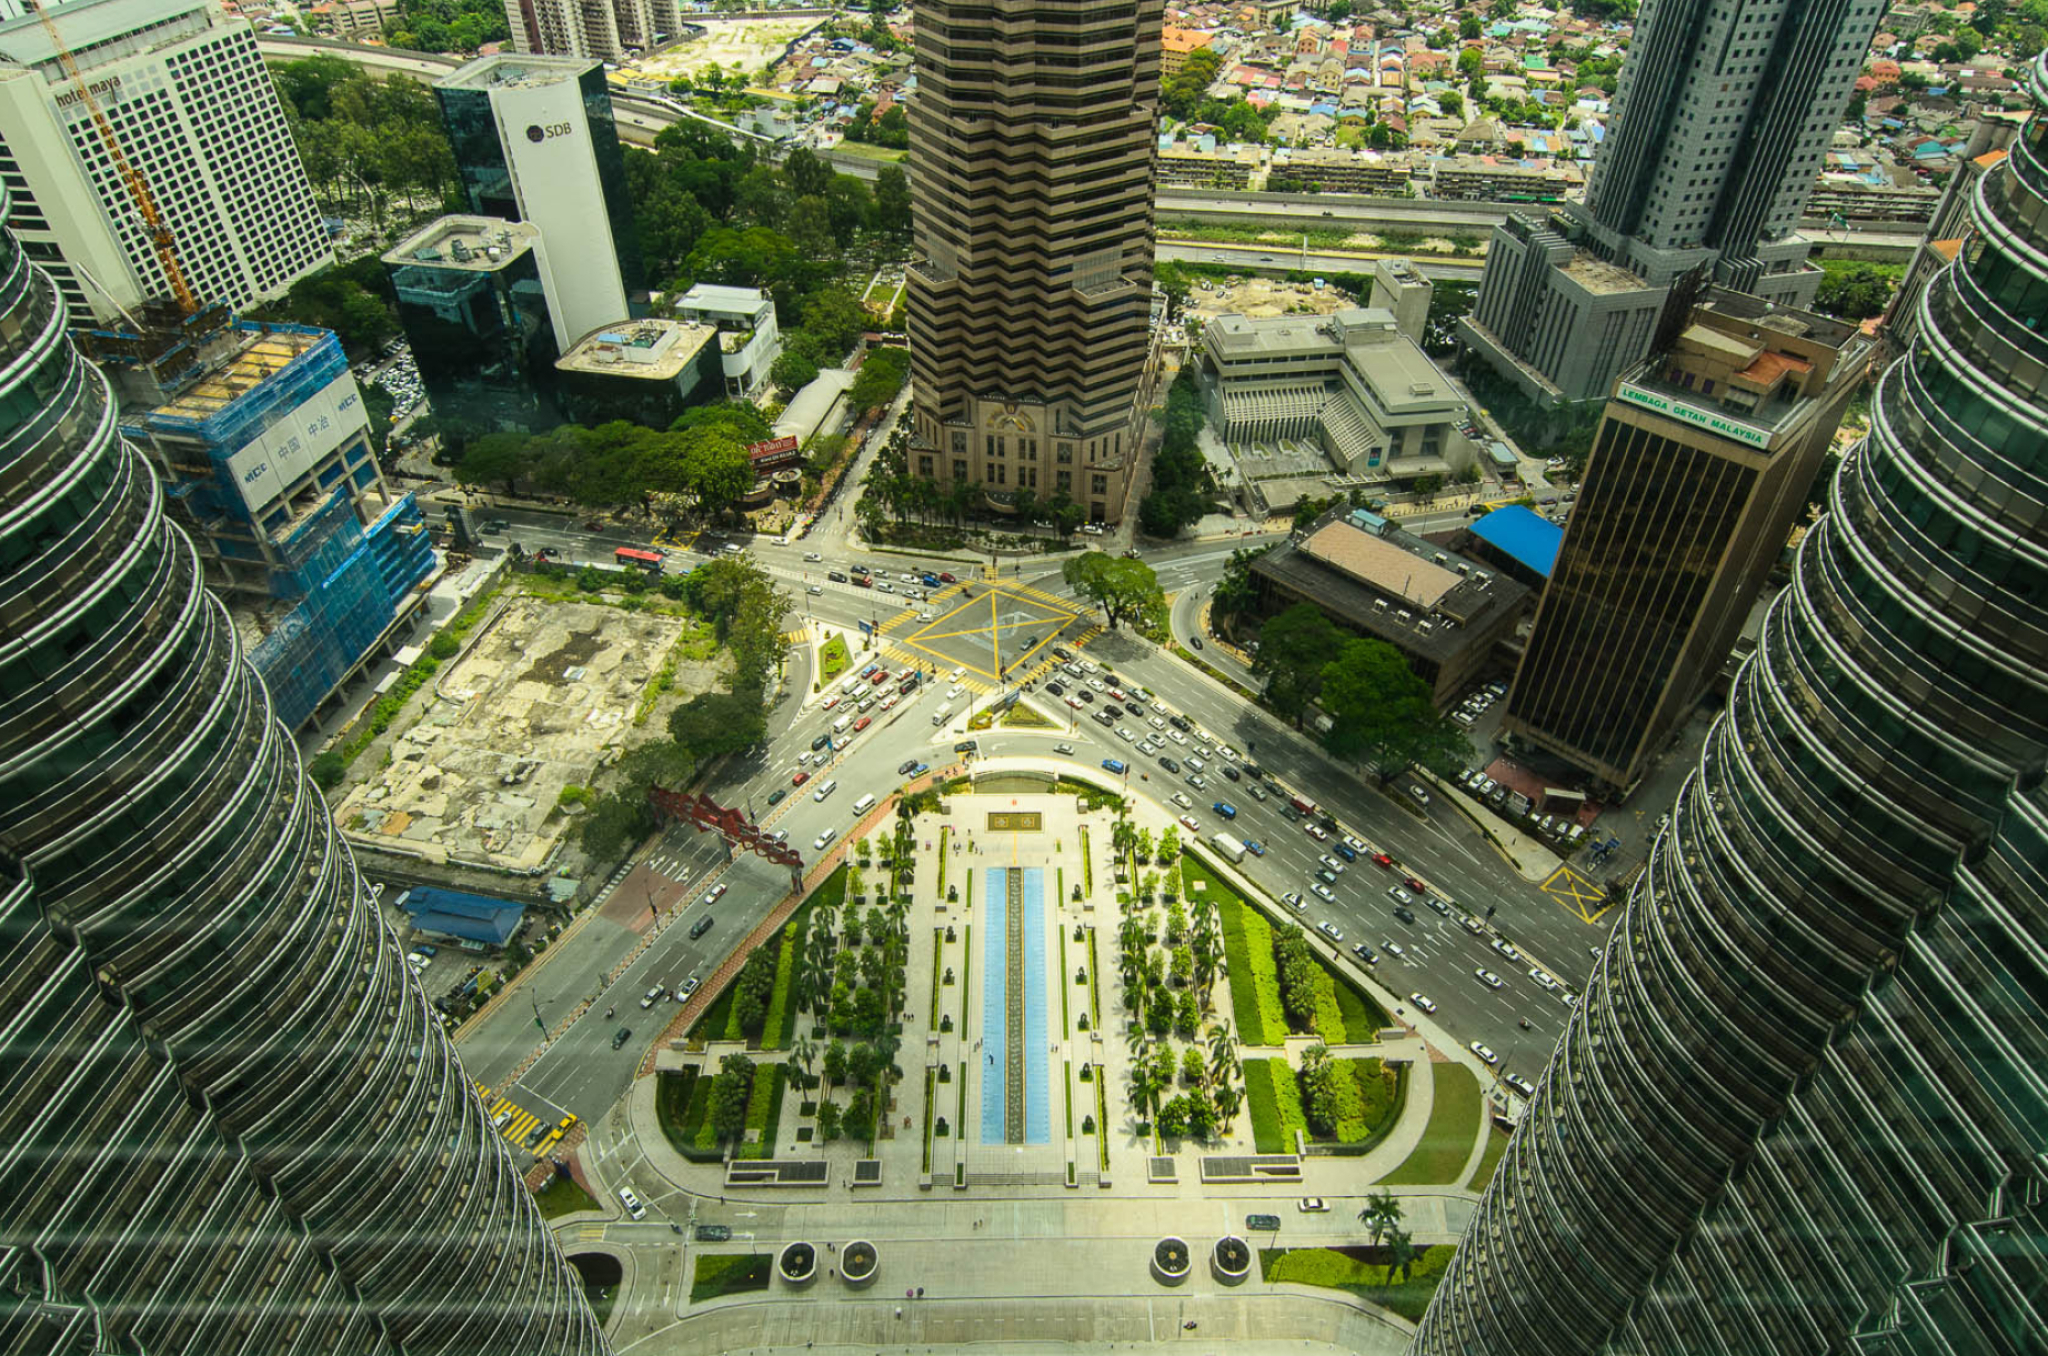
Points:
(1030, 293)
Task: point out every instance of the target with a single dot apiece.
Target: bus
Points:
(634, 555)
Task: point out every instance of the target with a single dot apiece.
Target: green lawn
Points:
(728, 1274)
(867, 152)
(673, 1089)
(833, 659)
(1274, 1098)
(1362, 1272)
(1248, 957)
(1454, 1119)
(1489, 1162)
(775, 1027)
(561, 1196)
(1022, 717)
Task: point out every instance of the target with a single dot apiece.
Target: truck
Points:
(1305, 805)
(1228, 846)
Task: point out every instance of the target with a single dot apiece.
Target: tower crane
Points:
(138, 187)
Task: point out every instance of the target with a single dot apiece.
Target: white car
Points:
(1519, 1084)
(1485, 1052)
(1319, 833)
(1543, 981)
(1323, 892)
(1156, 723)
(1294, 900)
(958, 669)
(1312, 1204)
(653, 995)
(1330, 930)
(1357, 845)
(1181, 800)
(1417, 999)
(1123, 732)
(1397, 951)
(1335, 865)
(1506, 948)
(1188, 822)
(632, 1203)
(813, 556)
(1488, 978)
(953, 692)
(1176, 736)
(1098, 685)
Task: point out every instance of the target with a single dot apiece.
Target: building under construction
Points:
(261, 438)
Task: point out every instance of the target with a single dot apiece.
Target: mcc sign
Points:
(1684, 413)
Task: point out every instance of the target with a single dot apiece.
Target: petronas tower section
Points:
(228, 1120)
(1803, 1107)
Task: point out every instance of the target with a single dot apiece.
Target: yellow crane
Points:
(138, 188)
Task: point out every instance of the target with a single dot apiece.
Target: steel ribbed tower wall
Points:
(1803, 1106)
(229, 1121)
(1033, 133)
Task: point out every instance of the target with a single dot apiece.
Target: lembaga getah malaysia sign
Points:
(1672, 409)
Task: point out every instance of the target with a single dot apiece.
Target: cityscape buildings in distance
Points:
(1801, 1107)
(231, 1122)
(1030, 285)
(1722, 116)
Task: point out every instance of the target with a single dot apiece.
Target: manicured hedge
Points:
(673, 1090)
(1274, 1100)
(1362, 1017)
(775, 1026)
(764, 1109)
(1254, 982)
(715, 1020)
(700, 1139)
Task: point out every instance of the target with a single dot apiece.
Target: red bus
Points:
(634, 555)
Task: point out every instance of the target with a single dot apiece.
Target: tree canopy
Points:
(1121, 587)
(1294, 650)
(699, 467)
(1382, 713)
(1180, 475)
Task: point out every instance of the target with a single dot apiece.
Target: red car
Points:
(881, 677)
(861, 581)
(800, 779)
(1382, 859)
(1417, 886)
(862, 723)
(945, 578)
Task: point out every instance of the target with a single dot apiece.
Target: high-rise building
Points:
(194, 111)
(535, 141)
(230, 1120)
(1984, 152)
(608, 30)
(1398, 286)
(260, 437)
(1698, 472)
(479, 310)
(1722, 116)
(1030, 290)
(1801, 1106)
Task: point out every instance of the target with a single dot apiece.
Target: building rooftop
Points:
(652, 350)
(515, 70)
(261, 356)
(1381, 563)
(452, 913)
(472, 244)
(1522, 535)
(715, 296)
(1595, 274)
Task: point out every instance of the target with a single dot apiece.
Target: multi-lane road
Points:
(581, 1072)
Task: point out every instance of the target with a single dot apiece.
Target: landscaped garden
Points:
(732, 1273)
(1446, 1146)
(561, 1196)
(833, 659)
(1371, 1273)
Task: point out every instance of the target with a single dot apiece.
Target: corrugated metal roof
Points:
(1525, 536)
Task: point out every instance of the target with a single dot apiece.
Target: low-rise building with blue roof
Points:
(1521, 542)
(464, 917)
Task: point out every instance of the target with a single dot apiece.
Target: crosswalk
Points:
(522, 1129)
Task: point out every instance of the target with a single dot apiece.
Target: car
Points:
(1366, 954)
(945, 578)
(1097, 685)
(820, 742)
(1067, 749)
(502, 1119)
(813, 557)
(903, 768)
(1180, 799)
(1105, 720)
(1543, 981)
(1382, 859)
(879, 677)
(1261, 1222)
(799, 779)
(1519, 1084)
(1195, 641)
(863, 723)
(1414, 884)
(1293, 900)
(815, 588)
(1255, 847)
(1335, 867)
(1225, 808)
(632, 1203)
(1488, 978)
(1322, 892)
(1418, 795)
(1506, 948)
(1085, 695)
(1326, 876)
(701, 926)
(1330, 930)
(824, 840)
(1404, 913)
(1318, 832)
(714, 894)
(1170, 765)
(827, 705)
(1188, 822)
(689, 987)
(1421, 1001)
(885, 586)
(1345, 851)
(1057, 689)
(1484, 1051)
(1312, 1204)
(1197, 780)
(861, 581)
(1123, 732)
(714, 1233)
(1471, 925)
(866, 704)
(1230, 772)
(653, 995)
(1440, 905)
(920, 769)
(1256, 791)
(889, 702)
(1176, 736)
(621, 1036)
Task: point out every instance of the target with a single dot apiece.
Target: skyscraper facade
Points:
(1698, 471)
(1723, 113)
(535, 141)
(1030, 290)
(1802, 1105)
(229, 1122)
(609, 30)
(194, 111)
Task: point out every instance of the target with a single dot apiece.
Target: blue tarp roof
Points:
(463, 915)
(1526, 537)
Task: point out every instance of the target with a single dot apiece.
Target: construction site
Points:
(542, 698)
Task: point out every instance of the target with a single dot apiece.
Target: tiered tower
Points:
(1803, 1105)
(229, 1122)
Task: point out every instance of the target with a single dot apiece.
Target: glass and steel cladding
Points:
(1803, 1106)
(229, 1121)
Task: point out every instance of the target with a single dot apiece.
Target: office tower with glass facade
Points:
(1721, 119)
(193, 109)
(229, 1120)
(1699, 470)
(1803, 1104)
(475, 298)
(534, 141)
(1030, 289)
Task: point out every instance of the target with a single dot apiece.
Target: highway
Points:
(1272, 259)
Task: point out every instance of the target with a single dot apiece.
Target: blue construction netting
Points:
(1523, 536)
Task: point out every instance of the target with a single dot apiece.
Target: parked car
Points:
(1420, 1000)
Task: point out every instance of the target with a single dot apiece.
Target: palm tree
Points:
(1401, 1254)
(1382, 1213)
(803, 1053)
(1222, 1052)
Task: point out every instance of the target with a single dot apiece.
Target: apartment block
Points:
(186, 95)
(607, 30)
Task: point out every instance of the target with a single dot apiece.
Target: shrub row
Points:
(1254, 981)
(764, 1110)
(1274, 1100)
